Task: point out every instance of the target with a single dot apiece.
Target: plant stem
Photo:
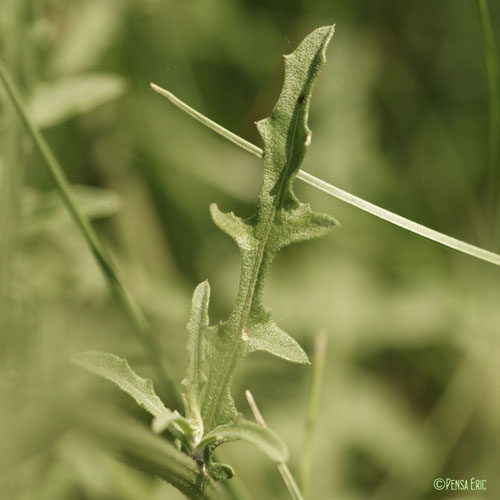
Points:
(10, 174)
(318, 365)
(116, 287)
(285, 472)
(366, 206)
(239, 141)
(493, 71)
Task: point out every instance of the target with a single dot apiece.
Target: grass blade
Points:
(285, 472)
(493, 72)
(230, 136)
(398, 220)
(318, 365)
(366, 206)
(116, 287)
(139, 447)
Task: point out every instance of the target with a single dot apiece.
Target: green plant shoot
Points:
(280, 220)
(215, 352)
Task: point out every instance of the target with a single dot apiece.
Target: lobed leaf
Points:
(280, 220)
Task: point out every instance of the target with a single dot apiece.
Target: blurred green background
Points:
(400, 117)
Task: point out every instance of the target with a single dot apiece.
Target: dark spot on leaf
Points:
(300, 100)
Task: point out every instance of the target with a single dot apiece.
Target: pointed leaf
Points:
(271, 338)
(299, 224)
(197, 326)
(118, 371)
(242, 430)
(237, 228)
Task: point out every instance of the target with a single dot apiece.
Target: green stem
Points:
(116, 287)
(246, 292)
(285, 472)
(366, 206)
(230, 136)
(493, 71)
(318, 365)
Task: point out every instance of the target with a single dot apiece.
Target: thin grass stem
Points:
(366, 206)
(493, 72)
(285, 472)
(318, 365)
(230, 136)
(138, 321)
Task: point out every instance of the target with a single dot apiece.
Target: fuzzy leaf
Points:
(118, 371)
(195, 380)
(280, 220)
(241, 430)
(271, 338)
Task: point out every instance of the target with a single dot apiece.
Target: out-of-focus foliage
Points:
(400, 117)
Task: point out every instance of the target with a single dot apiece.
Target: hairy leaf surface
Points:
(195, 379)
(118, 371)
(280, 220)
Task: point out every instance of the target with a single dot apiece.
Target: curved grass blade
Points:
(144, 450)
(366, 206)
(138, 321)
(493, 72)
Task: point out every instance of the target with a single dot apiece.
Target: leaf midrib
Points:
(253, 280)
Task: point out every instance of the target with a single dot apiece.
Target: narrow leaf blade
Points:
(195, 379)
(118, 371)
